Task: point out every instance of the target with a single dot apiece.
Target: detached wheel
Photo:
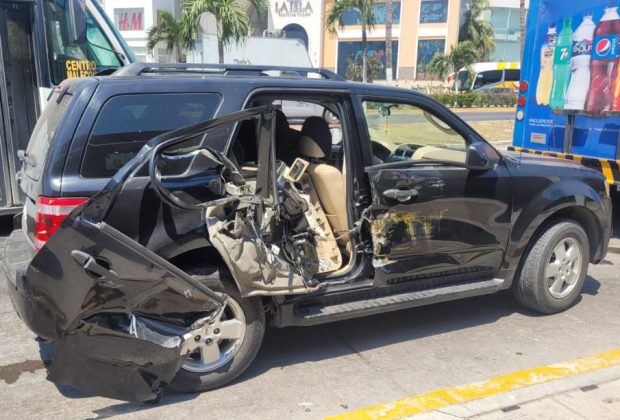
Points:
(228, 346)
(554, 270)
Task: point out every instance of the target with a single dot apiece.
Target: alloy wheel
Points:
(217, 342)
(564, 268)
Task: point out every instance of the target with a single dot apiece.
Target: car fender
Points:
(556, 199)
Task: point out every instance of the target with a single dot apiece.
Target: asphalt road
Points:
(317, 371)
(395, 118)
(486, 115)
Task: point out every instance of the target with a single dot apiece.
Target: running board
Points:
(319, 313)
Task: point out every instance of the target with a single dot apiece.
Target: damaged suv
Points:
(173, 212)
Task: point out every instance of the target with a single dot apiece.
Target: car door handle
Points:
(401, 195)
(92, 267)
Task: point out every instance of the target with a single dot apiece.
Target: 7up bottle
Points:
(561, 65)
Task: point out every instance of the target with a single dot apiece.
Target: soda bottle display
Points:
(604, 63)
(580, 64)
(561, 65)
(545, 77)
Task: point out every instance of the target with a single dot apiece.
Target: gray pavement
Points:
(465, 115)
(486, 115)
(312, 372)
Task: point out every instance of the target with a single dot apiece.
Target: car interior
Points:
(310, 168)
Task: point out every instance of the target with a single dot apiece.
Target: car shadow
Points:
(295, 345)
(290, 346)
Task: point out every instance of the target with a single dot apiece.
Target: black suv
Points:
(174, 211)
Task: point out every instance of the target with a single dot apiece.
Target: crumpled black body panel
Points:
(114, 363)
(118, 330)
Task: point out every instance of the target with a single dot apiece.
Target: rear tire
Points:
(554, 269)
(195, 376)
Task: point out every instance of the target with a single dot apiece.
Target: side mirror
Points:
(77, 15)
(480, 157)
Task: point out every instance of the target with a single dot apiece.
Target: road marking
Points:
(435, 400)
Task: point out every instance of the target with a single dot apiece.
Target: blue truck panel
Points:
(594, 136)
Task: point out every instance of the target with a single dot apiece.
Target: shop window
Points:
(351, 52)
(434, 11)
(427, 48)
(352, 17)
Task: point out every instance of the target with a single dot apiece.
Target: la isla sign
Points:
(293, 8)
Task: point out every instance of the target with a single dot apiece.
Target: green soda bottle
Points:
(561, 65)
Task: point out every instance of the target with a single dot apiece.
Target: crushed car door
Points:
(122, 317)
(267, 249)
(432, 217)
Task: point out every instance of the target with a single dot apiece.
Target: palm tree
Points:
(523, 21)
(478, 30)
(462, 55)
(176, 34)
(233, 24)
(388, 41)
(365, 8)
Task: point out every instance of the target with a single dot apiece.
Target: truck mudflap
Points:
(609, 168)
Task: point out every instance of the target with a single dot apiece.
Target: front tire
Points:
(554, 269)
(230, 344)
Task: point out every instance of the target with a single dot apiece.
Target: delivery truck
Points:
(43, 42)
(569, 94)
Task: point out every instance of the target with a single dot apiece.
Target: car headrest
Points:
(316, 139)
(281, 120)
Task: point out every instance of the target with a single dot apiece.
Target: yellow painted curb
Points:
(460, 394)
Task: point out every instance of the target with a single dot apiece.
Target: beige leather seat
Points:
(315, 144)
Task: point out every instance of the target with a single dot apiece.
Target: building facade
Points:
(134, 18)
(505, 18)
(421, 28)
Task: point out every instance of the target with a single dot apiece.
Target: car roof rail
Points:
(136, 69)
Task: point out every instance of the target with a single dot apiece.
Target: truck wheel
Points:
(554, 269)
(229, 345)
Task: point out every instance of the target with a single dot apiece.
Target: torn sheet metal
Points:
(258, 267)
(117, 312)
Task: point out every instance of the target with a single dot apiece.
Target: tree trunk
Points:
(220, 50)
(175, 54)
(180, 56)
(388, 41)
(523, 18)
(364, 51)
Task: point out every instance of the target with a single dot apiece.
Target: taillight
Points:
(51, 212)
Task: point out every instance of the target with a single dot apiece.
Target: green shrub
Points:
(475, 99)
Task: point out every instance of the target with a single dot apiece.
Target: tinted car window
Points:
(44, 132)
(127, 122)
(488, 77)
(512, 75)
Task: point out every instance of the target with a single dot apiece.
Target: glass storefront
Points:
(434, 11)
(352, 50)
(352, 17)
(506, 24)
(427, 48)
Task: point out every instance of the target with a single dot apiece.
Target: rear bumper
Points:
(31, 307)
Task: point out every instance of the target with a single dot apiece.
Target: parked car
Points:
(172, 213)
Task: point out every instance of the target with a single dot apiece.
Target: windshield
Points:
(69, 58)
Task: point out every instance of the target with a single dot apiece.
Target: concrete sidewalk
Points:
(589, 396)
